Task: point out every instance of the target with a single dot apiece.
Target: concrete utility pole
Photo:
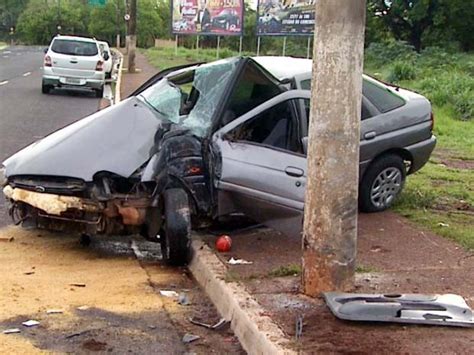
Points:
(132, 42)
(330, 221)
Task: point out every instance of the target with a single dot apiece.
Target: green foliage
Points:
(401, 71)
(106, 21)
(38, 23)
(9, 12)
(286, 270)
(445, 78)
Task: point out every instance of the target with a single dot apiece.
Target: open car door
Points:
(260, 164)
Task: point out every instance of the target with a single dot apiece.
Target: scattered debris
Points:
(78, 285)
(7, 239)
(83, 308)
(189, 338)
(233, 261)
(11, 331)
(223, 243)
(299, 327)
(169, 293)
(216, 326)
(183, 299)
(30, 323)
(29, 273)
(447, 309)
(54, 311)
(73, 335)
(442, 224)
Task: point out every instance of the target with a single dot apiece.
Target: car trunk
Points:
(70, 65)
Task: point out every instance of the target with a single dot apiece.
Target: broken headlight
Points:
(3, 177)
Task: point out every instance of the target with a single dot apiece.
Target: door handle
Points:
(74, 61)
(294, 172)
(370, 135)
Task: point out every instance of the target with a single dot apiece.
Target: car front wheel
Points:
(382, 183)
(175, 236)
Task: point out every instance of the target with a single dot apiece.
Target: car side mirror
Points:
(106, 55)
(45, 50)
(304, 142)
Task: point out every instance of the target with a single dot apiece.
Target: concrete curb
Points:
(257, 333)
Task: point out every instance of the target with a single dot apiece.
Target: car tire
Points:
(45, 88)
(175, 238)
(100, 92)
(382, 183)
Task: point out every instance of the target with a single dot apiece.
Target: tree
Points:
(38, 22)
(9, 12)
(407, 20)
(149, 22)
(105, 22)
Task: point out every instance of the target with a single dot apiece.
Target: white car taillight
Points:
(47, 61)
(99, 66)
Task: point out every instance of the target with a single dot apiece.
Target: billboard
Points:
(285, 17)
(207, 17)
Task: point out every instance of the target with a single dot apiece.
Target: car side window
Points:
(365, 112)
(275, 127)
(252, 89)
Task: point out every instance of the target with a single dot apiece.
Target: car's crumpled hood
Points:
(118, 139)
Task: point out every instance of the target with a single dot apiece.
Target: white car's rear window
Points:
(72, 47)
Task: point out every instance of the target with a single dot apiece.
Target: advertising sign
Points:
(207, 17)
(285, 17)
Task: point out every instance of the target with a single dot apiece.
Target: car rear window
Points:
(381, 97)
(72, 47)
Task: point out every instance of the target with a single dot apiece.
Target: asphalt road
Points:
(25, 113)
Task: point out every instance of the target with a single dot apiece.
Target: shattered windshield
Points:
(189, 97)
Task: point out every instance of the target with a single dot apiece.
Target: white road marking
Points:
(7, 52)
(27, 73)
(3, 82)
(5, 56)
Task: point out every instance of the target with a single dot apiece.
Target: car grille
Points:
(52, 185)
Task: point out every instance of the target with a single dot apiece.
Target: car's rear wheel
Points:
(175, 236)
(100, 92)
(45, 88)
(382, 183)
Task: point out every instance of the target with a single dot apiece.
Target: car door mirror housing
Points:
(106, 56)
(304, 143)
(45, 50)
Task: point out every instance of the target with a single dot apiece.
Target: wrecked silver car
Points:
(205, 140)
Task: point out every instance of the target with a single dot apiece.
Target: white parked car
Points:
(108, 60)
(72, 61)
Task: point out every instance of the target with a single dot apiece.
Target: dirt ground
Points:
(393, 257)
(108, 294)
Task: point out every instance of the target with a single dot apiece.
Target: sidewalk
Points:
(393, 257)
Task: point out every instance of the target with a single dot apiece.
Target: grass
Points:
(165, 57)
(2, 45)
(439, 197)
(286, 270)
(363, 269)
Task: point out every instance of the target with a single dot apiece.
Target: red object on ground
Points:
(223, 243)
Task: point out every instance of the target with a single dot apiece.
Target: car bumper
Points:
(62, 81)
(421, 153)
